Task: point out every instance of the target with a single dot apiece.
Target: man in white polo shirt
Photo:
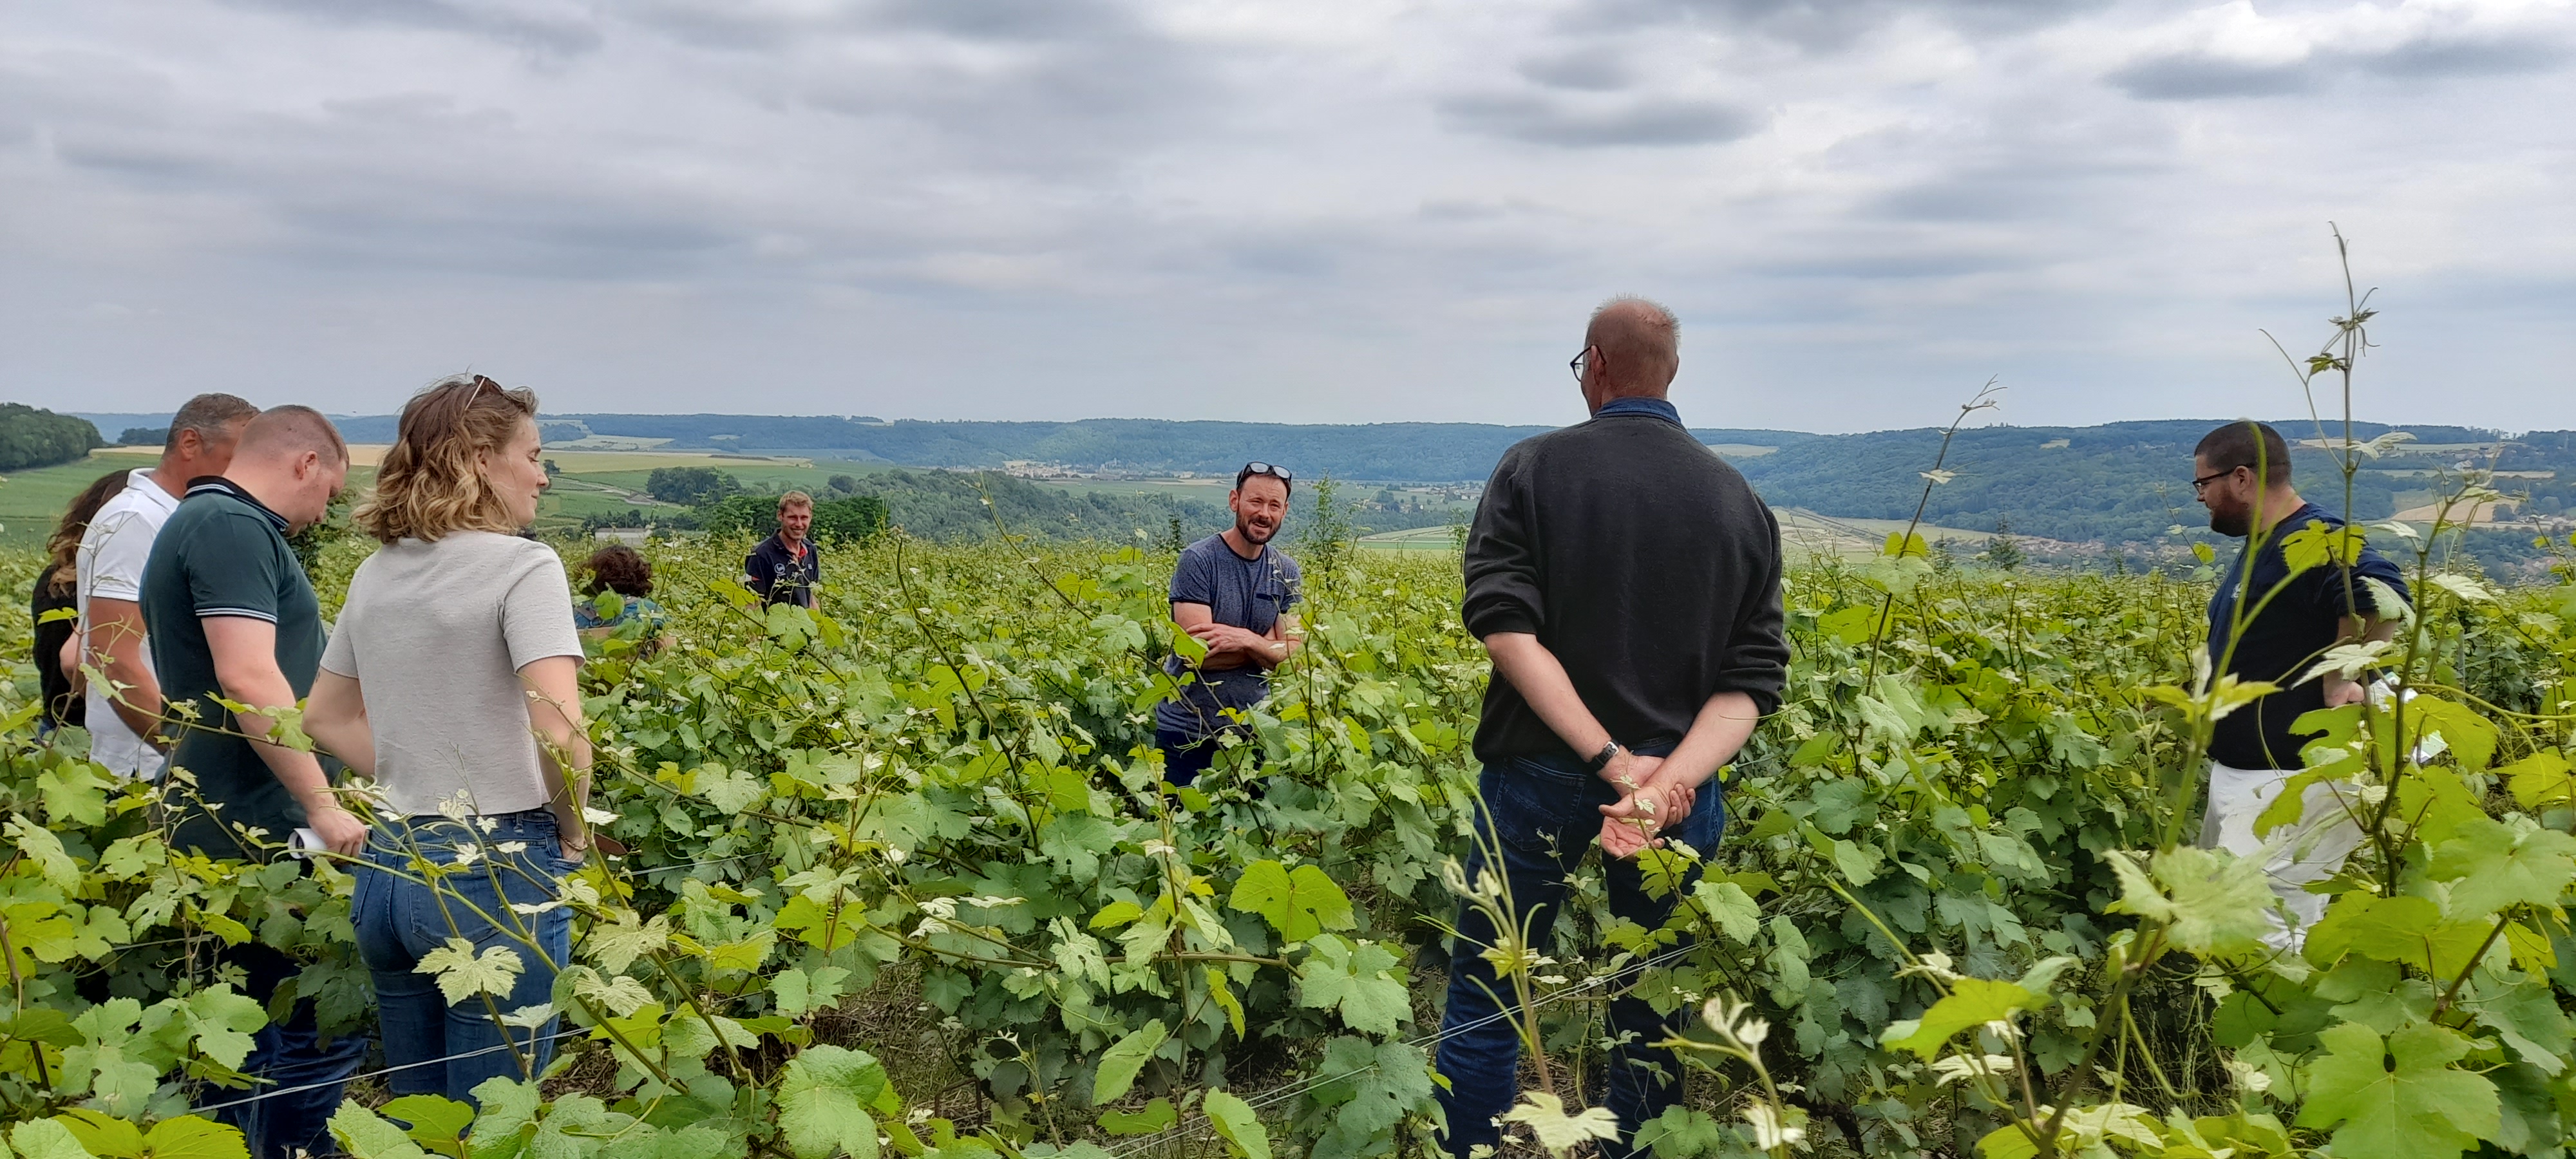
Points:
(125, 707)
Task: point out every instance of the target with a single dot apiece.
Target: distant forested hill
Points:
(31, 437)
(949, 505)
(1376, 452)
(2117, 483)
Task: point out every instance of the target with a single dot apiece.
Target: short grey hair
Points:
(1640, 341)
(209, 415)
(1665, 319)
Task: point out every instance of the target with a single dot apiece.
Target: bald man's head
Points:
(1640, 344)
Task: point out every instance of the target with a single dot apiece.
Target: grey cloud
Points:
(1588, 70)
(1007, 19)
(737, 25)
(2019, 186)
(1856, 259)
(2197, 76)
(416, 112)
(1832, 25)
(549, 26)
(464, 191)
(1014, 86)
(1592, 123)
(2431, 55)
(986, 207)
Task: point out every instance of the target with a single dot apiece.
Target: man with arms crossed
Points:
(1626, 582)
(2241, 472)
(785, 567)
(1231, 591)
(232, 614)
(124, 710)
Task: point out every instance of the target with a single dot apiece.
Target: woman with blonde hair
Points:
(452, 680)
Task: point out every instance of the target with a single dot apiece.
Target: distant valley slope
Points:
(2115, 484)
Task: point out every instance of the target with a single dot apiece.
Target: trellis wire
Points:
(1274, 1098)
(565, 1033)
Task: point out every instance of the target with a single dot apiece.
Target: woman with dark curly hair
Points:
(57, 672)
(621, 600)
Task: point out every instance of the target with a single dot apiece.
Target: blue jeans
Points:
(400, 920)
(290, 1056)
(1542, 813)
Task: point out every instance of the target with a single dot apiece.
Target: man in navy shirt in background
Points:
(1232, 592)
(785, 567)
(2241, 472)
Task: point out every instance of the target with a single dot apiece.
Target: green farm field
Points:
(31, 501)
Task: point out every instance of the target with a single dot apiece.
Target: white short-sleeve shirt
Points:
(435, 634)
(110, 563)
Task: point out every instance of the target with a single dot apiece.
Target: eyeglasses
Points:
(1279, 473)
(1580, 361)
(2202, 484)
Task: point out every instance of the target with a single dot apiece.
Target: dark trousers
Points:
(1184, 756)
(308, 1074)
(1543, 814)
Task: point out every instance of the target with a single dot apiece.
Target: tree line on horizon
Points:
(2119, 484)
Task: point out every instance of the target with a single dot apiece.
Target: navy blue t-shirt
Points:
(1247, 593)
(2281, 641)
(781, 576)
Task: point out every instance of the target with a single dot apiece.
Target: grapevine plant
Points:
(899, 874)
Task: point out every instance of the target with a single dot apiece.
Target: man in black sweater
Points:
(1626, 582)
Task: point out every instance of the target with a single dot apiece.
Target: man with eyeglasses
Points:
(2269, 625)
(1231, 592)
(1626, 583)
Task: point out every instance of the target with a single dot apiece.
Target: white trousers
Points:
(2293, 855)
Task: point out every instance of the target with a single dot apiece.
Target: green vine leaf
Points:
(48, 1139)
(2541, 779)
(823, 1102)
(1299, 904)
(1971, 1002)
(2492, 865)
(462, 973)
(1235, 1122)
(2210, 902)
(1120, 1064)
(2398, 1097)
(1364, 983)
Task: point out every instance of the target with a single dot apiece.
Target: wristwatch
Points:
(1601, 760)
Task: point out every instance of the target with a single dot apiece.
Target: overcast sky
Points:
(1296, 210)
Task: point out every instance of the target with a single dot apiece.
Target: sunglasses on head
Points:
(1275, 472)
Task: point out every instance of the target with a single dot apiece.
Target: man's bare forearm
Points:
(115, 639)
(1716, 735)
(293, 768)
(134, 692)
(2356, 630)
(1276, 647)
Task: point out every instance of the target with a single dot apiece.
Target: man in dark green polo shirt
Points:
(239, 620)
(230, 613)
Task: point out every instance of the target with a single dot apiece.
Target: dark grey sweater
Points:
(1644, 562)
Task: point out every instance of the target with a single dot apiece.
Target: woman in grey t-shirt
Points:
(452, 679)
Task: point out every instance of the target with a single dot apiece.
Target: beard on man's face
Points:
(2232, 524)
(1253, 533)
